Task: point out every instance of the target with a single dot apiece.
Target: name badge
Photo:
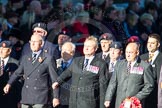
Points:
(137, 70)
(93, 69)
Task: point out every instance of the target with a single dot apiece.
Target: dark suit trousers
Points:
(63, 106)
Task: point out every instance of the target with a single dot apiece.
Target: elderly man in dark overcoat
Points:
(39, 70)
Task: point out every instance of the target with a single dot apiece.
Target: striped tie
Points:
(129, 67)
(111, 69)
(85, 64)
(150, 58)
(33, 57)
(2, 67)
(104, 57)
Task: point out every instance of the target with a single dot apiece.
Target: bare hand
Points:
(107, 104)
(55, 85)
(6, 88)
(55, 102)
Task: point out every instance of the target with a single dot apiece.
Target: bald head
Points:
(132, 51)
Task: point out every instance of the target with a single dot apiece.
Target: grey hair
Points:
(72, 44)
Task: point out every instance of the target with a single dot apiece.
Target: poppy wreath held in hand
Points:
(132, 102)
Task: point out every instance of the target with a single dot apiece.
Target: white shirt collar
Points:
(132, 63)
(90, 59)
(38, 52)
(155, 55)
(5, 60)
(105, 53)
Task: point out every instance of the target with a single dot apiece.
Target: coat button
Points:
(80, 78)
(27, 86)
(27, 78)
(35, 88)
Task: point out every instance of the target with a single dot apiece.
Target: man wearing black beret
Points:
(64, 36)
(7, 67)
(41, 29)
(105, 40)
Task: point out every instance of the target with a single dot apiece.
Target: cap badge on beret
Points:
(132, 40)
(64, 32)
(38, 24)
(116, 45)
(3, 44)
(104, 36)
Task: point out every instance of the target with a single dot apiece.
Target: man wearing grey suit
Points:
(38, 70)
(132, 78)
(89, 78)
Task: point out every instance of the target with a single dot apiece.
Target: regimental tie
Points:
(104, 57)
(150, 57)
(34, 55)
(111, 69)
(2, 67)
(85, 64)
(128, 67)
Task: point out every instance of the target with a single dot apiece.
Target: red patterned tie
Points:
(2, 67)
(128, 67)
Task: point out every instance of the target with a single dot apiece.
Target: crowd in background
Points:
(82, 18)
(74, 21)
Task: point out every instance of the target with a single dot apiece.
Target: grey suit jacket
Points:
(138, 84)
(37, 78)
(88, 87)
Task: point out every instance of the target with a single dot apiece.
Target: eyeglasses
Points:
(38, 31)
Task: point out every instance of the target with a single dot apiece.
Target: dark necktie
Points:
(128, 67)
(111, 67)
(34, 55)
(85, 64)
(104, 57)
(64, 65)
(2, 67)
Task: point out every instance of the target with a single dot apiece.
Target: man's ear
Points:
(158, 44)
(9, 50)
(138, 52)
(45, 33)
(42, 44)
